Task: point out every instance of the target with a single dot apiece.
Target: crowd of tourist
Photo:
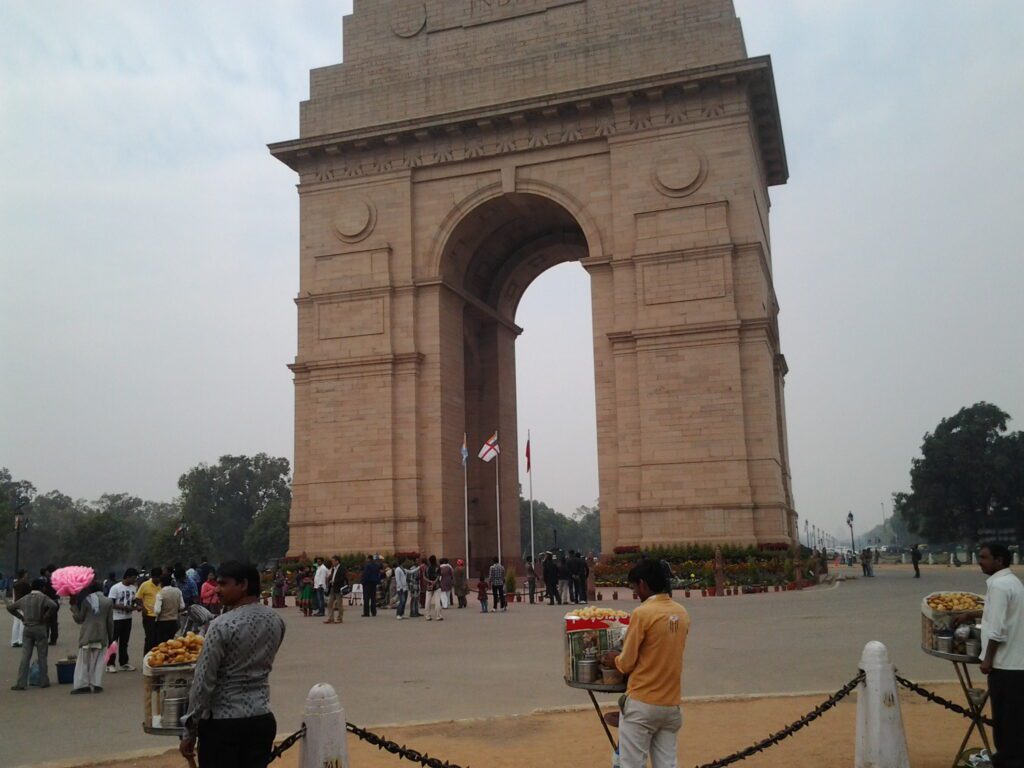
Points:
(104, 613)
(425, 587)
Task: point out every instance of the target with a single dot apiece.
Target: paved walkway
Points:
(710, 730)
(475, 665)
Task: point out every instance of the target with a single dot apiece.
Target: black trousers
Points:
(52, 626)
(552, 590)
(165, 630)
(123, 634)
(149, 630)
(579, 589)
(369, 599)
(917, 571)
(244, 742)
(498, 593)
(1006, 689)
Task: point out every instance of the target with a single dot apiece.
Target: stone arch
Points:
(442, 242)
(499, 244)
(663, 153)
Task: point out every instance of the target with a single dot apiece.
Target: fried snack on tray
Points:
(954, 602)
(181, 650)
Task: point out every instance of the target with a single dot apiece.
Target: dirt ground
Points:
(711, 729)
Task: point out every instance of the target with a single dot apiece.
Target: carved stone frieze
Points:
(506, 134)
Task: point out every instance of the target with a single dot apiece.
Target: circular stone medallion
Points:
(680, 173)
(354, 220)
(408, 17)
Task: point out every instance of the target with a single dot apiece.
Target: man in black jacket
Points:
(370, 579)
(575, 565)
(550, 571)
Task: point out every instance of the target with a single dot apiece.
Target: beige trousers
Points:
(335, 602)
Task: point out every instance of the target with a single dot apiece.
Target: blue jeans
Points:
(483, 605)
(402, 596)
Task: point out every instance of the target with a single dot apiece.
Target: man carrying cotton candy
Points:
(95, 615)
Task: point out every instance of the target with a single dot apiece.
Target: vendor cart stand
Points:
(976, 697)
(590, 688)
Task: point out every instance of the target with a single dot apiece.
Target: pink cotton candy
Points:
(72, 579)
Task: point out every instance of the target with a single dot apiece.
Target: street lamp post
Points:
(19, 523)
(849, 522)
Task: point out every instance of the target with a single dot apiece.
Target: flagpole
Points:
(465, 503)
(533, 554)
(497, 496)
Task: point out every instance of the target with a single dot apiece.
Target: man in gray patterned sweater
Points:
(229, 707)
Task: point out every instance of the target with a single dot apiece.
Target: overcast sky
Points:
(149, 243)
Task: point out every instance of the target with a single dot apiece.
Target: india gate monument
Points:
(463, 148)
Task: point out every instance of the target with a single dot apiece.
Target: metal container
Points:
(973, 648)
(944, 644)
(587, 670)
(611, 676)
(976, 632)
(172, 710)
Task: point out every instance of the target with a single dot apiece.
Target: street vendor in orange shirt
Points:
(652, 656)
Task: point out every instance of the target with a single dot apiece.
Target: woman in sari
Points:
(306, 594)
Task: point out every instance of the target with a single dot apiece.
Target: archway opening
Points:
(556, 403)
(493, 255)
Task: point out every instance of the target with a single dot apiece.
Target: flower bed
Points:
(693, 565)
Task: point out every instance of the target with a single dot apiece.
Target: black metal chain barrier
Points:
(395, 749)
(287, 744)
(789, 730)
(424, 759)
(935, 698)
(370, 738)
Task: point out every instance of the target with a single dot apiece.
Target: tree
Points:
(15, 497)
(582, 532)
(224, 499)
(965, 480)
(101, 539)
(51, 517)
(177, 542)
(267, 537)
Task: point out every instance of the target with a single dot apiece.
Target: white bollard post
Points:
(326, 742)
(974, 558)
(1016, 558)
(931, 559)
(951, 558)
(903, 558)
(881, 740)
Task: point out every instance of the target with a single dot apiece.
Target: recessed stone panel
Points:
(674, 229)
(346, 319)
(684, 280)
(351, 271)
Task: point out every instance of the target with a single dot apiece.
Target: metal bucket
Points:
(973, 648)
(173, 709)
(944, 644)
(586, 671)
